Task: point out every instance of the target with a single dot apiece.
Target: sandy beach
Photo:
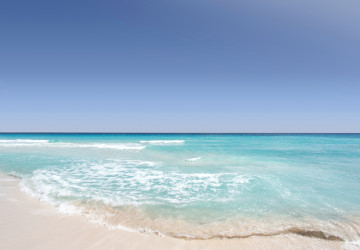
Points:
(26, 223)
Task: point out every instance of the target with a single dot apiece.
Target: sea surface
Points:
(196, 186)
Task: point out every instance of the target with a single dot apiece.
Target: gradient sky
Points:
(180, 66)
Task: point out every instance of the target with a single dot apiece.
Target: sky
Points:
(180, 66)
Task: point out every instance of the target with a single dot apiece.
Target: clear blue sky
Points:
(180, 66)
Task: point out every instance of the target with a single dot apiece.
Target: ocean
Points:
(196, 186)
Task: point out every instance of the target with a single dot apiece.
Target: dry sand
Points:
(27, 223)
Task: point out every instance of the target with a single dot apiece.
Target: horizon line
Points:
(179, 132)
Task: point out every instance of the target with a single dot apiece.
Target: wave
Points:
(24, 141)
(47, 143)
(135, 182)
(119, 146)
(136, 219)
(164, 142)
(129, 188)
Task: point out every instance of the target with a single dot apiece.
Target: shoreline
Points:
(27, 223)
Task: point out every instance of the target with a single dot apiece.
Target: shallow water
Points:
(197, 186)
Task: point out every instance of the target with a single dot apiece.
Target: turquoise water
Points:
(196, 185)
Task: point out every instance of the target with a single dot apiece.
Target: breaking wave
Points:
(164, 142)
(47, 143)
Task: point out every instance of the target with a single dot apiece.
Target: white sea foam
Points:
(140, 163)
(194, 159)
(133, 182)
(119, 146)
(24, 141)
(47, 143)
(164, 142)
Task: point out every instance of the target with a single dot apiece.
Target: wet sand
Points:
(27, 223)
